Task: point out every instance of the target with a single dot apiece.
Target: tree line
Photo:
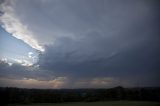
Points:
(18, 95)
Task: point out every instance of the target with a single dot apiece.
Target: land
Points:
(109, 103)
(117, 96)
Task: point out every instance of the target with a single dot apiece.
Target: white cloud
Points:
(30, 54)
(12, 24)
(23, 62)
(10, 64)
(4, 60)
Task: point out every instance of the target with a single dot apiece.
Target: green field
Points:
(111, 103)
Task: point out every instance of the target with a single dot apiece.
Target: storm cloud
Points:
(87, 43)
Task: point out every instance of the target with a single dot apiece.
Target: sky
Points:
(79, 43)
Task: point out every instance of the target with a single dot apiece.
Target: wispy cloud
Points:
(12, 24)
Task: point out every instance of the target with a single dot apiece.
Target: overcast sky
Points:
(79, 43)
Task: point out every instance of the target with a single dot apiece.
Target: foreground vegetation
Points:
(30, 96)
(109, 103)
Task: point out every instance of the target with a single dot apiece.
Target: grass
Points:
(110, 103)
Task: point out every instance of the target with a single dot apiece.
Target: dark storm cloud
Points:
(134, 58)
(1, 12)
(138, 61)
(130, 53)
(89, 41)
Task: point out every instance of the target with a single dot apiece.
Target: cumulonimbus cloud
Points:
(12, 24)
